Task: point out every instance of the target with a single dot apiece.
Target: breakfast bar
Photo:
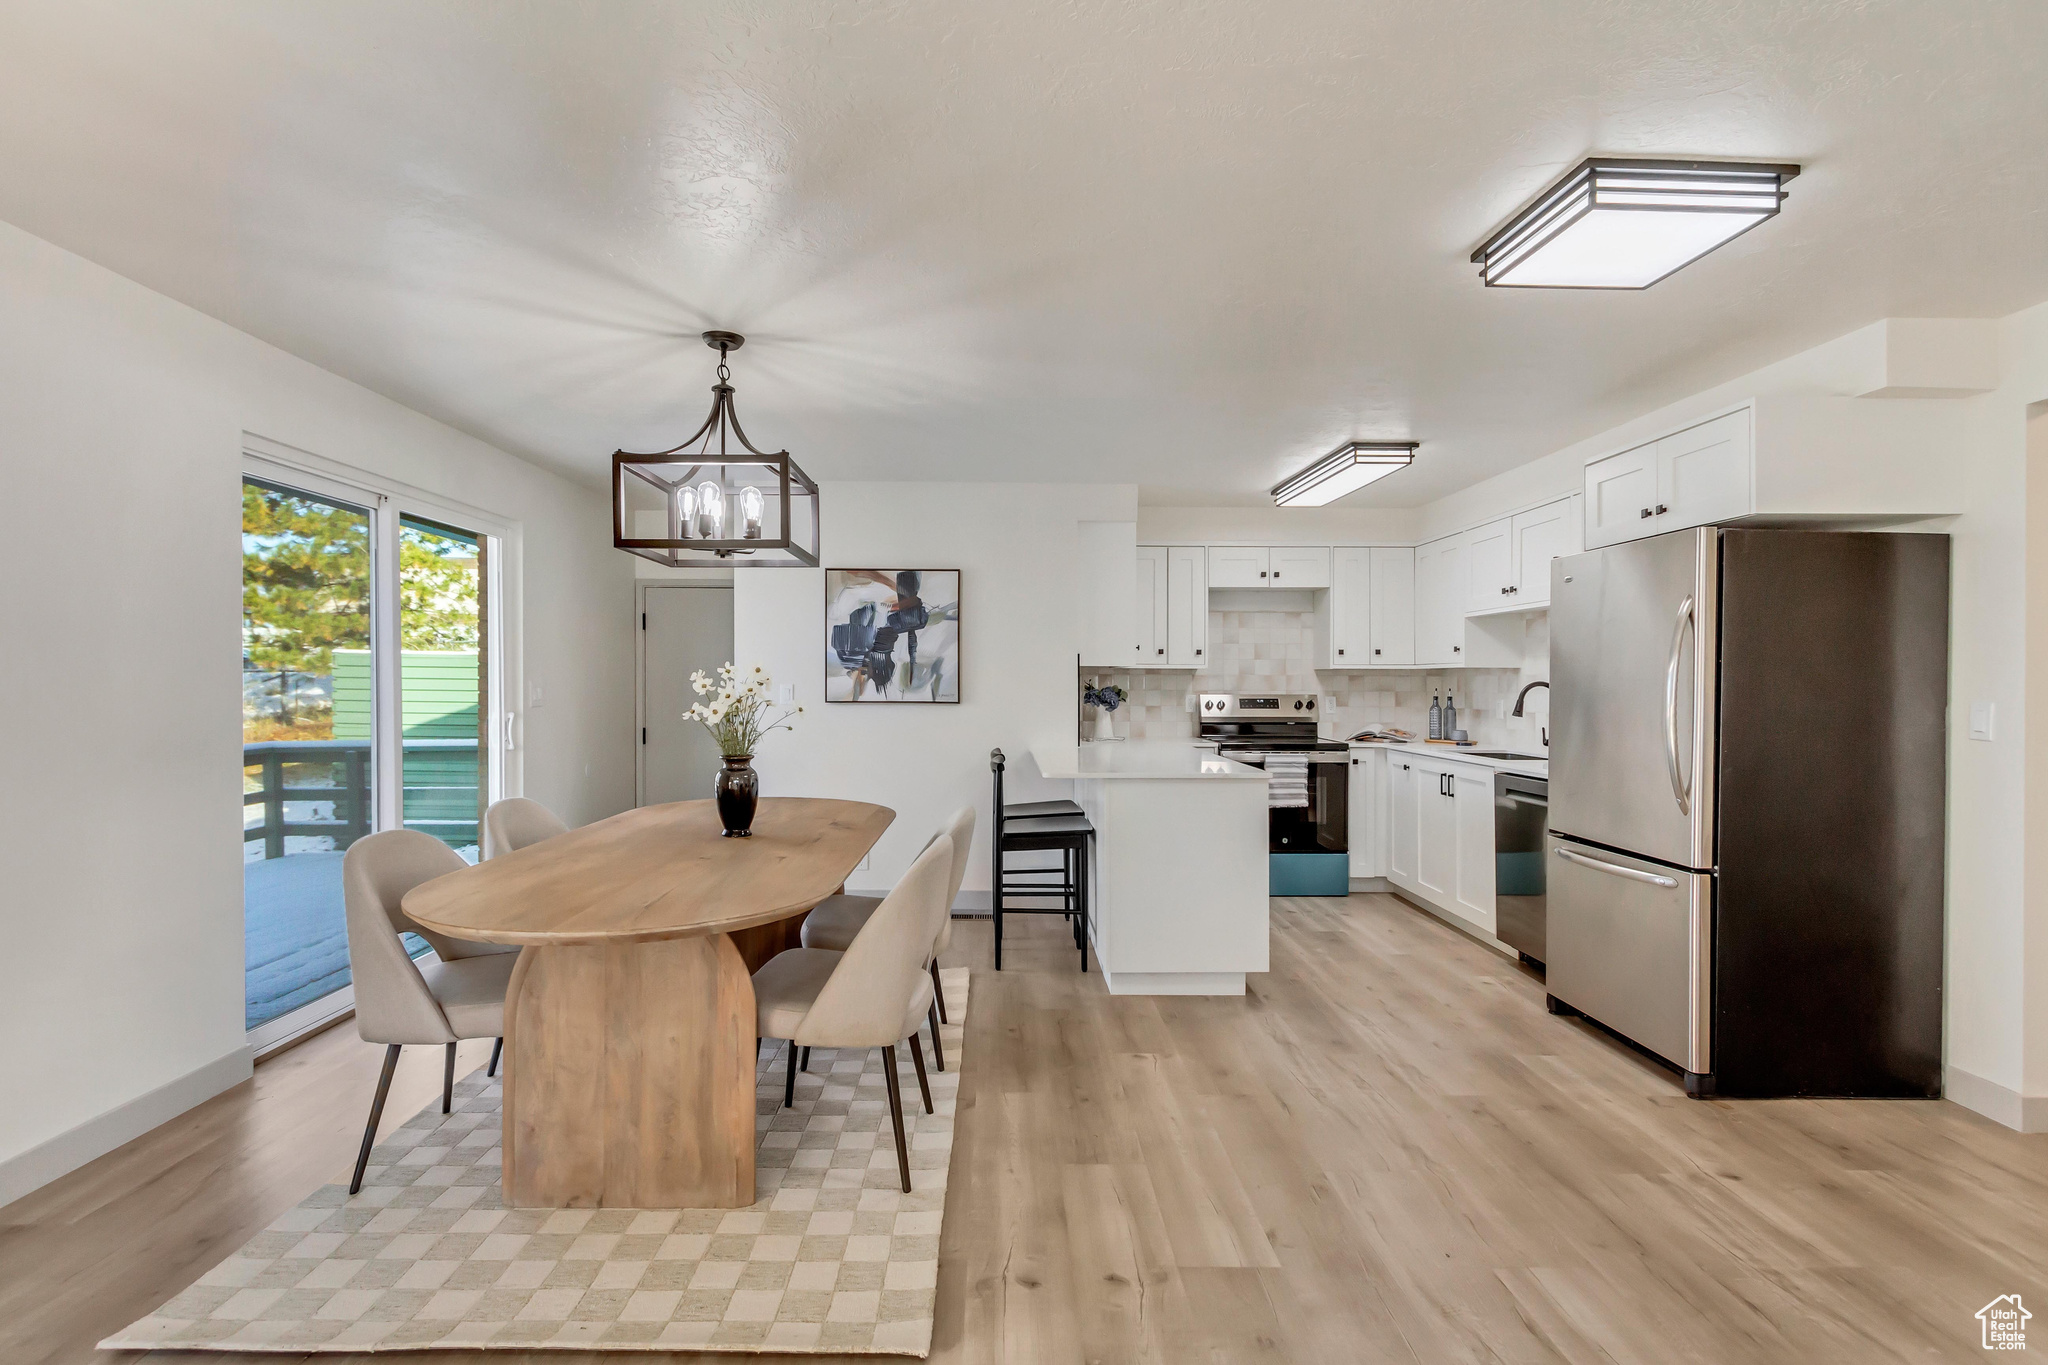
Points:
(1179, 880)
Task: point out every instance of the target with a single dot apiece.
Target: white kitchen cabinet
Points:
(1436, 852)
(1541, 535)
(1349, 609)
(1393, 608)
(1441, 835)
(1693, 477)
(1405, 789)
(1440, 602)
(1109, 609)
(1187, 607)
(1238, 566)
(1490, 565)
(1472, 797)
(1149, 607)
(1299, 566)
(1369, 825)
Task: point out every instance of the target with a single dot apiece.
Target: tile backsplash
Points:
(1273, 651)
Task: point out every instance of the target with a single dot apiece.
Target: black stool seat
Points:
(1038, 827)
(1031, 810)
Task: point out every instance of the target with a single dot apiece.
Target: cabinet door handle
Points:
(1662, 509)
(1457, 649)
(1262, 573)
(1198, 651)
(1375, 651)
(1648, 513)
(1340, 653)
(1162, 651)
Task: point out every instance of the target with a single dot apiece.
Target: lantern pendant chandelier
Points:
(702, 503)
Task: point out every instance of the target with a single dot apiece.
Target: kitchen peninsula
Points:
(1179, 895)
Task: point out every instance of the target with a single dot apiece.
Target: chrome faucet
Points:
(1523, 696)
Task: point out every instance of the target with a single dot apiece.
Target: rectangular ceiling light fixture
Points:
(1346, 469)
(1613, 224)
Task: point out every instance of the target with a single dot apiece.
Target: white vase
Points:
(1105, 728)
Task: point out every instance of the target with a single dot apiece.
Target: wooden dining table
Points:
(630, 1045)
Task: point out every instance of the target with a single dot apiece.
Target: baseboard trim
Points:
(2000, 1104)
(66, 1152)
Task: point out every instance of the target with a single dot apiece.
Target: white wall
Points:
(1270, 525)
(121, 433)
(1017, 547)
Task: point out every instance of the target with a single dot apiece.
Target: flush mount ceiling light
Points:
(703, 503)
(1346, 469)
(1614, 224)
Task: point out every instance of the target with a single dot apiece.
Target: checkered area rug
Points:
(831, 1258)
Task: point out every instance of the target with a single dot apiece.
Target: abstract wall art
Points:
(892, 635)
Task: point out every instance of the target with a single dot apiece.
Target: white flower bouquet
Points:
(737, 712)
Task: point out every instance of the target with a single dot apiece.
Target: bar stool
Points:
(1038, 827)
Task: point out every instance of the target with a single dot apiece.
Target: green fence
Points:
(438, 694)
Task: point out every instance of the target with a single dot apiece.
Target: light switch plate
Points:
(1983, 719)
(789, 691)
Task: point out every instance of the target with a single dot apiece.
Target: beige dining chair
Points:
(516, 822)
(875, 994)
(837, 919)
(399, 1002)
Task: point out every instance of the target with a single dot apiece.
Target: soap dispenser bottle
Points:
(1436, 716)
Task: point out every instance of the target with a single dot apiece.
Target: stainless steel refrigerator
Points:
(1747, 782)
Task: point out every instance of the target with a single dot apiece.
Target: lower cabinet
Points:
(1441, 835)
(1369, 810)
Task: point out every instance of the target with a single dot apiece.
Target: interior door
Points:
(1473, 799)
(1350, 607)
(1404, 785)
(1237, 566)
(1630, 688)
(686, 627)
(1151, 606)
(1490, 566)
(1393, 608)
(1621, 496)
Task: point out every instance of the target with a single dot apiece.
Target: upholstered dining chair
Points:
(516, 822)
(837, 919)
(398, 1001)
(875, 994)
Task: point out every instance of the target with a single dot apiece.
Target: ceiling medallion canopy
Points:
(702, 502)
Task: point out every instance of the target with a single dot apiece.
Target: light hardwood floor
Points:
(1387, 1151)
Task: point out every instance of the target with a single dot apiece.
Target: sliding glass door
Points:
(367, 703)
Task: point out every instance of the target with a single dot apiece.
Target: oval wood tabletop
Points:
(654, 873)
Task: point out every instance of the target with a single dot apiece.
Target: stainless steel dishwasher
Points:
(1521, 813)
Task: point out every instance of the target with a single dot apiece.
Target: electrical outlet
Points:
(865, 858)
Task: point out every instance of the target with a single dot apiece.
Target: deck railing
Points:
(441, 807)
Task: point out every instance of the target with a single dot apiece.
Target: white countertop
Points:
(1452, 754)
(1143, 760)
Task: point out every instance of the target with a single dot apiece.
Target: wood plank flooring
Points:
(1386, 1152)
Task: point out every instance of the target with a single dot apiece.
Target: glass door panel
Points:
(307, 769)
(443, 687)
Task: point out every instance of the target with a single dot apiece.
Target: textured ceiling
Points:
(1183, 245)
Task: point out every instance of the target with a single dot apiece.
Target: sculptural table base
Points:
(629, 1076)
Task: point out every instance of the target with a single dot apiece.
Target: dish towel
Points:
(1286, 780)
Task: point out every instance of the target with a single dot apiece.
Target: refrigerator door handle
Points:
(1679, 787)
(1614, 869)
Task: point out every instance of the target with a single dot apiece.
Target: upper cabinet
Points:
(1149, 604)
(1694, 477)
(1508, 561)
(1440, 596)
(1393, 607)
(1187, 607)
(1111, 636)
(1259, 566)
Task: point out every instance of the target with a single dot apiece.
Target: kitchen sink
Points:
(1503, 753)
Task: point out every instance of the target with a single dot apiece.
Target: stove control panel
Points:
(1223, 705)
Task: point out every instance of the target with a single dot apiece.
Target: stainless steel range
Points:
(1308, 791)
